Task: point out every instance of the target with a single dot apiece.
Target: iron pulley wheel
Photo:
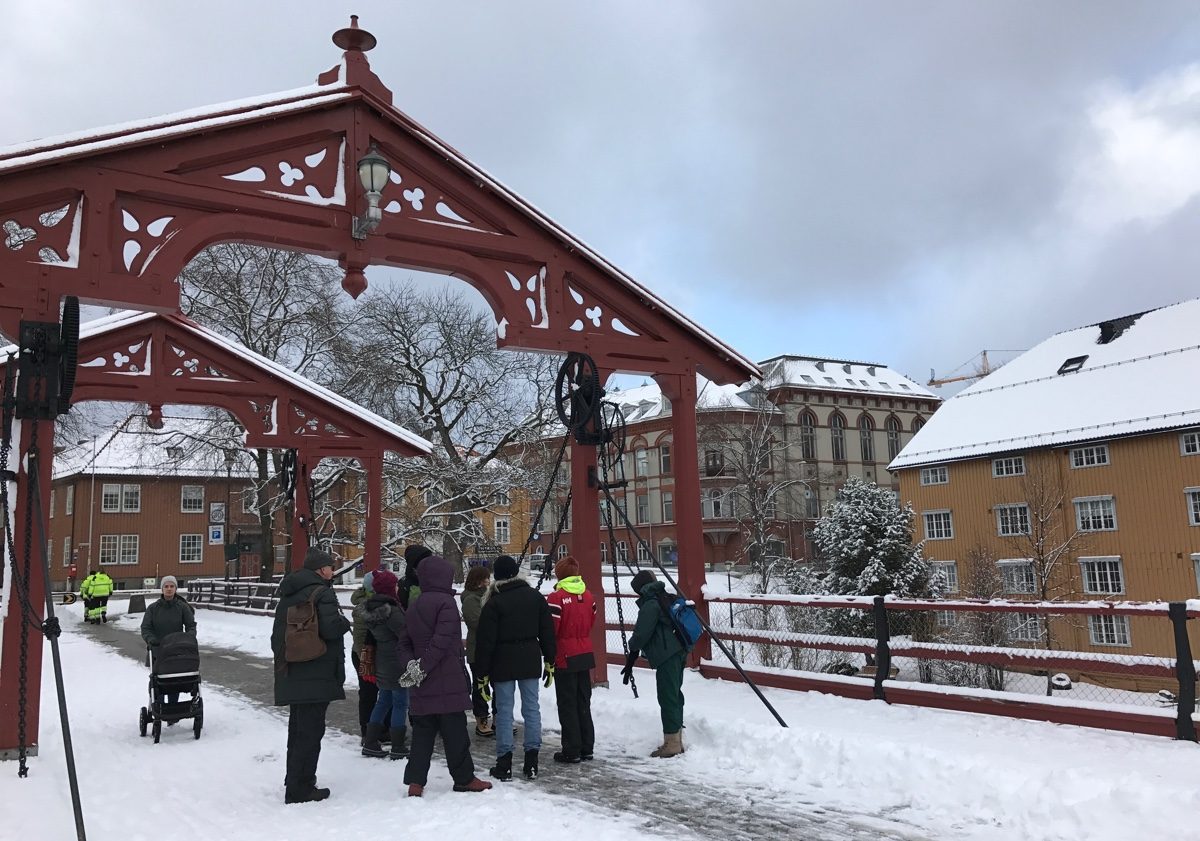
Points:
(577, 391)
(68, 359)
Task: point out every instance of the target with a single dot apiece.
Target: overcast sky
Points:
(902, 182)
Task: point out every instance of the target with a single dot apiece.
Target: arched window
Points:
(893, 436)
(604, 553)
(837, 432)
(622, 551)
(562, 550)
(642, 554)
(808, 436)
(866, 437)
(917, 423)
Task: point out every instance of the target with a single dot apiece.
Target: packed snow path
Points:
(619, 780)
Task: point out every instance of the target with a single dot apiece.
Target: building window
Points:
(110, 499)
(121, 499)
(664, 459)
(643, 508)
(393, 529)
(641, 462)
(664, 553)
(1024, 628)
(837, 432)
(945, 618)
(714, 462)
(808, 436)
(603, 552)
(642, 555)
(70, 500)
(49, 551)
(191, 548)
(67, 551)
(53, 497)
(935, 475)
(1018, 577)
(129, 548)
(812, 505)
(715, 504)
(1012, 520)
(1089, 456)
(1097, 513)
(668, 507)
(1102, 575)
(110, 546)
(250, 501)
(939, 525)
(1193, 503)
(1189, 443)
(949, 572)
(917, 422)
(191, 500)
(501, 498)
(893, 437)
(1109, 630)
(431, 497)
(500, 531)
(1011, 466)
(622, 551)
(562, 553)
(866, 440)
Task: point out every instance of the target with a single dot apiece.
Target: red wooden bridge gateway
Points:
(111, 216)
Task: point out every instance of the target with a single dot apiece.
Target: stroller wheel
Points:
(142, 719)
(197, 725)
(157, 730)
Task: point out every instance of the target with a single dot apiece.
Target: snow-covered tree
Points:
(866, 541)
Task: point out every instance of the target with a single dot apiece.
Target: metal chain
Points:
(545, 498)
(562, 525)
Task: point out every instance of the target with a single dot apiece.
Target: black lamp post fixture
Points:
(373, 171)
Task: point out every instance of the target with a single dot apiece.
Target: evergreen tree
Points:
(866, 540)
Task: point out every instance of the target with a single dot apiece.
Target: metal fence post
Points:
(1185, 671)
(883, 654)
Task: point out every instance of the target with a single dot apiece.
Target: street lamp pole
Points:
(92, 509)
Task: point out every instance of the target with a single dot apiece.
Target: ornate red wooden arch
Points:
(113, 215)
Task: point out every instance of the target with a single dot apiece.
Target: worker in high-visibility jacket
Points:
(95, 590)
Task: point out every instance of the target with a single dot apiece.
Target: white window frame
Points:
(664, 459)
(1004, 519)
(603, 552)
(641, 462)
(1196, 568)
(942, 534)
(1192, 495)
(67, 551)
(1094, 575)
(1189, 444)
(562, 553)
(1011, 569)
(250, 501)
(1107, 630)
(935, 475)
(1088, 501)
(622, 551)
(184, 499)
(1095, 455)
(501, 498)
(70, 501)
(642, 508)
(1002, 468)
(1024, 627)
(501, 528)
(110, 549)
(667, 498)
(53, 499)
(949, 572)
(642, 555)
(107, 490)
(194, 543)
(393, 529)
(126, 507)
(945, 618)
(130, 549)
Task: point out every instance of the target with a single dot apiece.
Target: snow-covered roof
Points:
(1073, 387)
(236, 112)
(814, 372)
(186, 447)
(647, 401)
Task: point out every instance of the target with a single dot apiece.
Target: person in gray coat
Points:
(169, 614)
(306, 688)
(384, 620)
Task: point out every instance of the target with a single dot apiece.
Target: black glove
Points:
(627, 672)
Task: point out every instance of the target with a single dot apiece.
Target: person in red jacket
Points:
(574, 612)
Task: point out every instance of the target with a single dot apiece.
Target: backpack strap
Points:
(664, 604)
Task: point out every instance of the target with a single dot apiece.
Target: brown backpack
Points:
(302, 639)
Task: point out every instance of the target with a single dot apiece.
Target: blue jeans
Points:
(504, 694)
(397, 700)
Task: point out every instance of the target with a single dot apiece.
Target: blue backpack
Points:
(685, 622)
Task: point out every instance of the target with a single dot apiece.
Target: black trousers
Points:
(455, 742)
(368, 694)
(574, 693)
(306, 727)
(479, 707)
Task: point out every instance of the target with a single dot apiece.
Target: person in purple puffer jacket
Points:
(430, 644)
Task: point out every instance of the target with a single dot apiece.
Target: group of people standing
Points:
(95, 590)
(413, 679)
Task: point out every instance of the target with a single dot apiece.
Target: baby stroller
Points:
(174, 670)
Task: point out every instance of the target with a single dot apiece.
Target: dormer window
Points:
(1072, 365)
(175, 453)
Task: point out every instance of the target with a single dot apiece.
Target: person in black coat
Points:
(515, 648)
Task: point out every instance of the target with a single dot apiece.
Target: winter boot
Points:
(483, 727)
(370, 746)
(477, 784)
(672, 745)
(531, 764)
(567, 758)
(415, 790)
(307, 795)
(399, 743)
(502, 770)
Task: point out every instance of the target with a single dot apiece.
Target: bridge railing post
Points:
(1185, 671)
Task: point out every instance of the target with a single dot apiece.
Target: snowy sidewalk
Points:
(619, 780)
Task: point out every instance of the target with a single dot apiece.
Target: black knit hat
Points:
(640, 580)
(416, 553)
(505, 567)
(314, 558)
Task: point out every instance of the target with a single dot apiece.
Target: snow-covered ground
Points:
(945, 775)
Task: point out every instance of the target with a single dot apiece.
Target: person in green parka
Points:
(308, 687)
(654, 637)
